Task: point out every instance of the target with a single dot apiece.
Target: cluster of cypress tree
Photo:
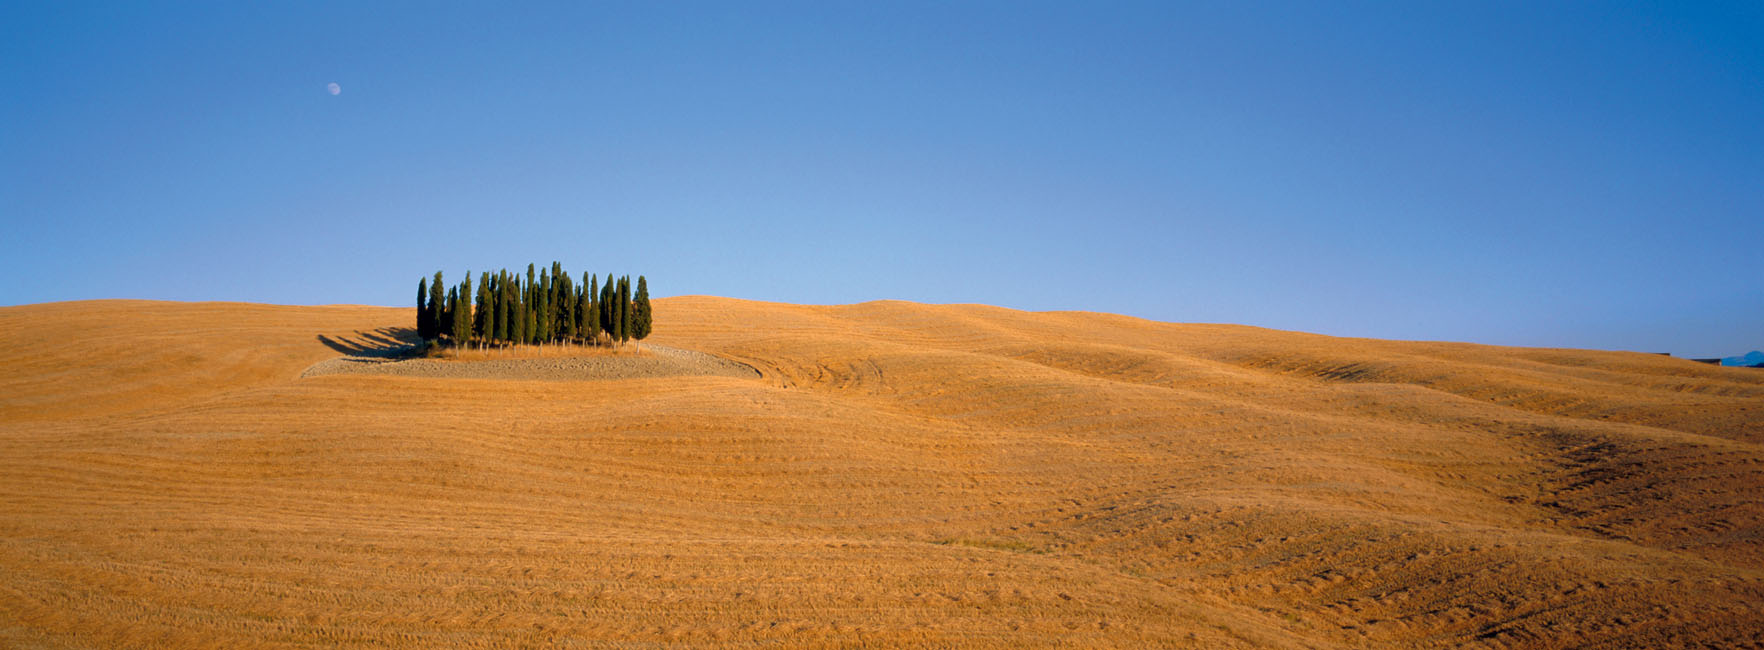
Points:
(547, 307)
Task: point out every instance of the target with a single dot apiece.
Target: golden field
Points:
(900, 475)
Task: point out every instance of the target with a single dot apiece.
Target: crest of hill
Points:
(897, 474)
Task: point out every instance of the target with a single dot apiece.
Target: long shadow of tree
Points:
(386, 342)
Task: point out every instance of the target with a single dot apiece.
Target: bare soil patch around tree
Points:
(648, 362)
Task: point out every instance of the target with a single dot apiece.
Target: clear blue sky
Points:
(1553, 174)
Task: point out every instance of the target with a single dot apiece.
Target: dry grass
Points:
(943, 476)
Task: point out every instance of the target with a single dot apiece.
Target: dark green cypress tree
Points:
(519, 310)
(607, 309)
(437, 305)
(513, 291)
(560, 302)
(423, 309)
(623, 326)
(536, 296)
(591, 314)
(538, 313)
(640, 314)
(572, 307)
(527, 314)
(445, 318)
(451, 301)
(611, 311)
(532, 313)
(504, 313)
(547, 310)
(462, 316)
(584, 300)
(625, 291)
(559, 309)
(569, 314)
(478, 310)
(465, 305)
(507, 307)
(508, 311)
(482, 320)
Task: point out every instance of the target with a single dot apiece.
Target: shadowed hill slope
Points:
(899, 474)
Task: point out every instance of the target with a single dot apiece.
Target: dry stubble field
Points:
(901, 475)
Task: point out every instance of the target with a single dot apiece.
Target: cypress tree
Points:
(481, 321)
(562, 295)
(591, 313)
(584, 300)
(607, 309)
(423, 308)
(511, 304)
(560, 302)
(578, 310)
(547, 310)
(462, 320)
(514, 307)
(625, 296)
(519, 309)
(623, 326)
(573, 297)
(533, 311)
(478, 311)
(451, 301)
(554, 298)
(529, 314)
(570, 306)
(640, 315)
(536, 309)
(437, 305)
(510, 320)
(462, 315)
(612, 310)
(538, 313)
(502, 307)
(465, 305)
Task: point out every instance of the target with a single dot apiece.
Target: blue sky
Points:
(1548, 174)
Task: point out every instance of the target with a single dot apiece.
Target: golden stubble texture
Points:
(899, 475)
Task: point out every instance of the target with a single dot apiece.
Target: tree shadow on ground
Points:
(386, 342)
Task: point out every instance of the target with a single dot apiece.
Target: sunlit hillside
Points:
(897, 475)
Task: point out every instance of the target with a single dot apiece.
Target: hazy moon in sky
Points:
(333, 88)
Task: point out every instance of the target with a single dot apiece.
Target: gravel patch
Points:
(655, 361)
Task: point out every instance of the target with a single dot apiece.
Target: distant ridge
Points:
(1753, 359)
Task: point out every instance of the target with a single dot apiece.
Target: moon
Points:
(333, 88)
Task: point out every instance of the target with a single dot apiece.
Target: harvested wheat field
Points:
(895, 475)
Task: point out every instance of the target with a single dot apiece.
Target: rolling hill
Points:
(897, 475)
